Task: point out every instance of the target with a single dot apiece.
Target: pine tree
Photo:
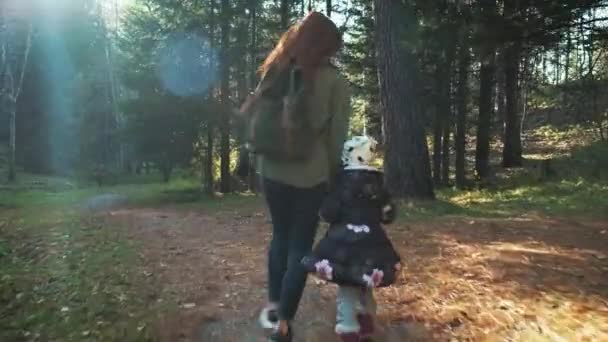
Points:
(487, 53)
(512, 151)
(406, 157)
(225, 20)
(462, 93)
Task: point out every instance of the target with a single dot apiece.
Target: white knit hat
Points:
(358, 153)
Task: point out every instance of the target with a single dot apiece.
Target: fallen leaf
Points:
(600, 256)
(188, 305)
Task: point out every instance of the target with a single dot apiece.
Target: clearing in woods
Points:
(525, 261)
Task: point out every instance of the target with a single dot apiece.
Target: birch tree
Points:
(14, 53)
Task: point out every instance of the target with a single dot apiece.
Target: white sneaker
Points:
(268, 318)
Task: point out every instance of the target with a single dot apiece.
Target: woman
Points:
(294, 190)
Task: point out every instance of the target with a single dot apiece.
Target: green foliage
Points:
(163, 129)
(551, 134)
(163, 124)
(65, 90)
(361, 68)
(587, 163)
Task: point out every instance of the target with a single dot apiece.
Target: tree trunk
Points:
(209, 161)
(568, 52)
(253, 47)
(224, 93)
(253, 52)
(208, 164)
(486, 80)
(112, 94)
(445, 150)
(486, 83)
(437, 132)
(328, 7)
(441, 125)
(284, 14)
(511, 154)
(557, 65)
(408, 172)
(523, 92)
(446, 102)
(12, 115)
(544, 68)
(500, 94)
(166, 170)
(12, 82)
(461, 110)
(591, 47)
(581, 46)
(241, 73)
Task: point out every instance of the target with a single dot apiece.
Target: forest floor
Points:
(525, 261)
(524, 278)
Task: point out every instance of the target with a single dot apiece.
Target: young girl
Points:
(356, 253)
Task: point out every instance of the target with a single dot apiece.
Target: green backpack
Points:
(278, 125)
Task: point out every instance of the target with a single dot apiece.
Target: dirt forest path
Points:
(529, 278)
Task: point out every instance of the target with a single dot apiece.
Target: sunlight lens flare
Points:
(187, 64)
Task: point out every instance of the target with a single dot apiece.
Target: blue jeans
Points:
(295, 217)
(351, 301)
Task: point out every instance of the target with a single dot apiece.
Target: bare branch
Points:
(544, 31)
(26, 53)
(9, 79)
(2, 58)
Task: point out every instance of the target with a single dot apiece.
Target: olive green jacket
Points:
(330, 111)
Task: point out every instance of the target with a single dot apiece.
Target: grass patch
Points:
(589, 162)
(68, 276)
(561, 198)
(65, 277)
(579, 187)
(179, 190)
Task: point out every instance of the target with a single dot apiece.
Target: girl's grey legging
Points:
(351, 301)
